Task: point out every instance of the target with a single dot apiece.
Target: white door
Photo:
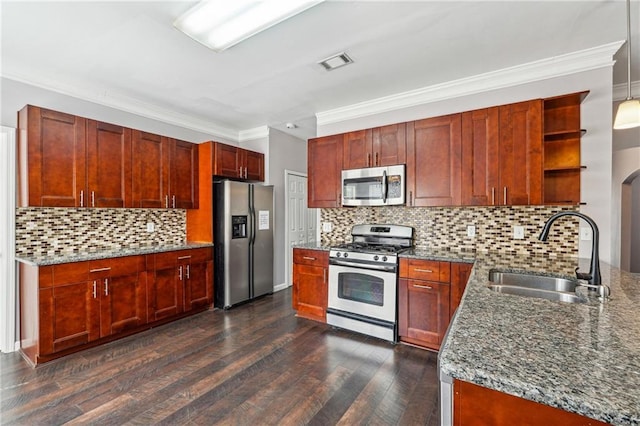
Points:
(301, 221)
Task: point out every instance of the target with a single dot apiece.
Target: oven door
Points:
(367, 292)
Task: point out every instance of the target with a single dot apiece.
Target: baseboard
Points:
(279, 287)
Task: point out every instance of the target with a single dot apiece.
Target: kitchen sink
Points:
(541, 286)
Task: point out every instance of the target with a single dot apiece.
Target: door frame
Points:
(289, 257)
(8, 293)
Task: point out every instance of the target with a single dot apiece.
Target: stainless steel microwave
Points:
(374, 186)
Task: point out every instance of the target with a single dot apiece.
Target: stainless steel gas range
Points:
(363, 280)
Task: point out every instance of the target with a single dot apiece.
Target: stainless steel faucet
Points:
(593, 277)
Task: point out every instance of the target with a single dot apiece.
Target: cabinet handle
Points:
(180, 273)
(339, 199)
(184, 257)
(368, 160)
(245, 172)
(308, 258)
(99, 270)
(423, 270)
(505, 196)
(166, 201)
(93, 199)
(411, 198)
(423, 286)
(94, 289)
(188, 271)
(106, 286)
(324, 275)
(493, 196)
(377, 163)
(173, 201)
(240, 173)
(81, 198)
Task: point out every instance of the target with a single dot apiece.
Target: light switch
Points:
(518, 232)
(585, 234)
(151, 227)
(471, 231)
(326, 227)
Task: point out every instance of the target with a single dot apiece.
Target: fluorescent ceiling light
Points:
(336, 61)
(220, 24)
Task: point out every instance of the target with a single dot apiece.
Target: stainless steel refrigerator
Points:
(243, 242)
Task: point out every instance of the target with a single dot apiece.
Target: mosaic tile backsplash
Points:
(446, 228)
(55, 231)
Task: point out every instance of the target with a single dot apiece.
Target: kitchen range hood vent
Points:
(336, 61)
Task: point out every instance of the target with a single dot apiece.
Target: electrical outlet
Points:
(471, 231)
(518, 232)
(585, 234)
(326, 226)
(151, 227)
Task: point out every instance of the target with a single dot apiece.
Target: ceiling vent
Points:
(336, 61)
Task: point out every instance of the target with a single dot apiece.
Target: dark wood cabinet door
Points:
(460, 273)
(357, 150)
(150, 170)
(122, 304)
(423, 315)
(198, 278)
(108, 165)
(389, 145)
(521, 153)
(166, 296)
(434, 163)
(52, 158)
(183, 181)
(226, 161)
(69, 316)
(480, 159)
(324, 163)
(310, 291)
(254, 166)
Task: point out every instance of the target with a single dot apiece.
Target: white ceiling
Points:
(128, 55)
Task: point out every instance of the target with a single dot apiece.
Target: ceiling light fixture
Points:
(336, 61)
(628, 115)
(220, 24)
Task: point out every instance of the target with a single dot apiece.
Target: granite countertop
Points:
(582, 358)
(56, 259)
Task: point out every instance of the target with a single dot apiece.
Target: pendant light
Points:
(628, 115)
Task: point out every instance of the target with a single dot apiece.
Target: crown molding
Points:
(557, 66)
(620, 90)
(125, 103)
(252, 134)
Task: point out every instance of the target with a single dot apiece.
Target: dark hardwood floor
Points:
(256, 364)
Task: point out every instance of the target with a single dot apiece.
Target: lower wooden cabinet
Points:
(310, 281)
(429, 292)
(71, 306)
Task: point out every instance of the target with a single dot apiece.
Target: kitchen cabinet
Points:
(52, 155)
(71, 306)
(475, 404)
(233, 162)
(382, 146)
(562, 134)
(324, 163)
(310, 282)
(181, 281)
(460, 273)
(165, 172)
(423, 301)
(434, 163)
(502, 155)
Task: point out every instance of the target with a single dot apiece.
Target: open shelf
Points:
(564, 169)
(564, 134)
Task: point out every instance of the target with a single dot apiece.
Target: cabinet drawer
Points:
(70, 273)
(116, 266)
(311, 257)
(195, 255)
(429, 270)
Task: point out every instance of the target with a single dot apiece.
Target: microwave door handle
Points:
(384, 187)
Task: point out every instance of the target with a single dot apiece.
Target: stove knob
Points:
(376, 257)
(384, 258)
(338, 254)
(346, 255)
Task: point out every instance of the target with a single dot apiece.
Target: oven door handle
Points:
(384, 187)
(386, 268)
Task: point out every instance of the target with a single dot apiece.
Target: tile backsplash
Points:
(55, 231)
(440, 227)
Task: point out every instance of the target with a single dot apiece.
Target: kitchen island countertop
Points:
(582, 358)
(56, 259)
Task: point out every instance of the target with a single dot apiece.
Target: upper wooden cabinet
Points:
(502, 155)
(70, 161)
(52, 155)
(233, 162)
(562, 134)
(324, 163)
(434, 162)
(382, 146)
